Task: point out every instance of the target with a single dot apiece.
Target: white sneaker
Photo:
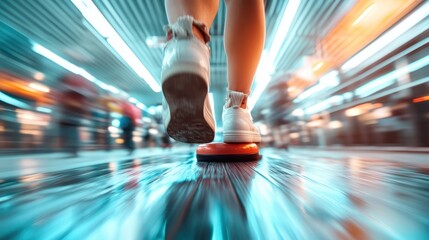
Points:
(237, 122)
(185, 84)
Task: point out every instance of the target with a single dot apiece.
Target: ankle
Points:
(236, 99)
(198, 34)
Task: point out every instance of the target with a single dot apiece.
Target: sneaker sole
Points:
(185, 94)
(241, 137)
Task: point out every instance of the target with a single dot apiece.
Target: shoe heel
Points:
(185, 94)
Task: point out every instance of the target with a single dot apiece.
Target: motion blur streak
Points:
(284, 196)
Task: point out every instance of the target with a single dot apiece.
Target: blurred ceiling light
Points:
(317, 66)
(363, 15)
(314, 123)
(306, 73)
(335, 124)
(347, 96)
(336, 100)
(298, 112)
(326, 104)
(361, 109)
(390, 78)
(132, 100)
(383, 112)
(283, 28)
(39, 76)
(266, 64)
(43, 109)
(212, 102)
(352, 112)
(116, 123)
(61, 61)
(113, 129)
(155, 41)
(67, 65)
(421, 99)
(141, 106)
(113, 89)
(152, 110)
(159, 108)
(114, 135)
(93, 15)
(153, 131)
(294, 135)
(119, 141)
(329, 80)
(388, 37)
(262, 78)
(39, 87)
(115, 115)
(31, 132)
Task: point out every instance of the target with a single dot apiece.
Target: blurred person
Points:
(104, 122)
(129, 121)
(146, 138)
(166, 141)
(74, 98)
(186, 69)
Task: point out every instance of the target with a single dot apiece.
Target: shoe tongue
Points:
(235, 99)
(183, 28)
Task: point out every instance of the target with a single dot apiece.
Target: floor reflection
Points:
(282, 196)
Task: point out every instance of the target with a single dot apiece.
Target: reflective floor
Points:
(171, 196)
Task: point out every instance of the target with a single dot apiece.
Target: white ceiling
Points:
(60, 27)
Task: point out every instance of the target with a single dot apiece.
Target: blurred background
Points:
(340, 96)
(333, 73)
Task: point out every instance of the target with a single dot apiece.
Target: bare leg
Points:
(244, 41)
(201, 10)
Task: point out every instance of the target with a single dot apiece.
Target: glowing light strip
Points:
(132, 100)
(77, 70)
(421, 99)
(61, 61)
(39, 87)
(283, 28)
(329, 80)
(390, 78)
(265, 66)
(93, 15)
(141, 106)
(388, 37)
(43, 109)
(359, 19)
(12, 101)
(262, 78)
(317, 66)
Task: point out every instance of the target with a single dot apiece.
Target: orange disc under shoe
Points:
(228, 152)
